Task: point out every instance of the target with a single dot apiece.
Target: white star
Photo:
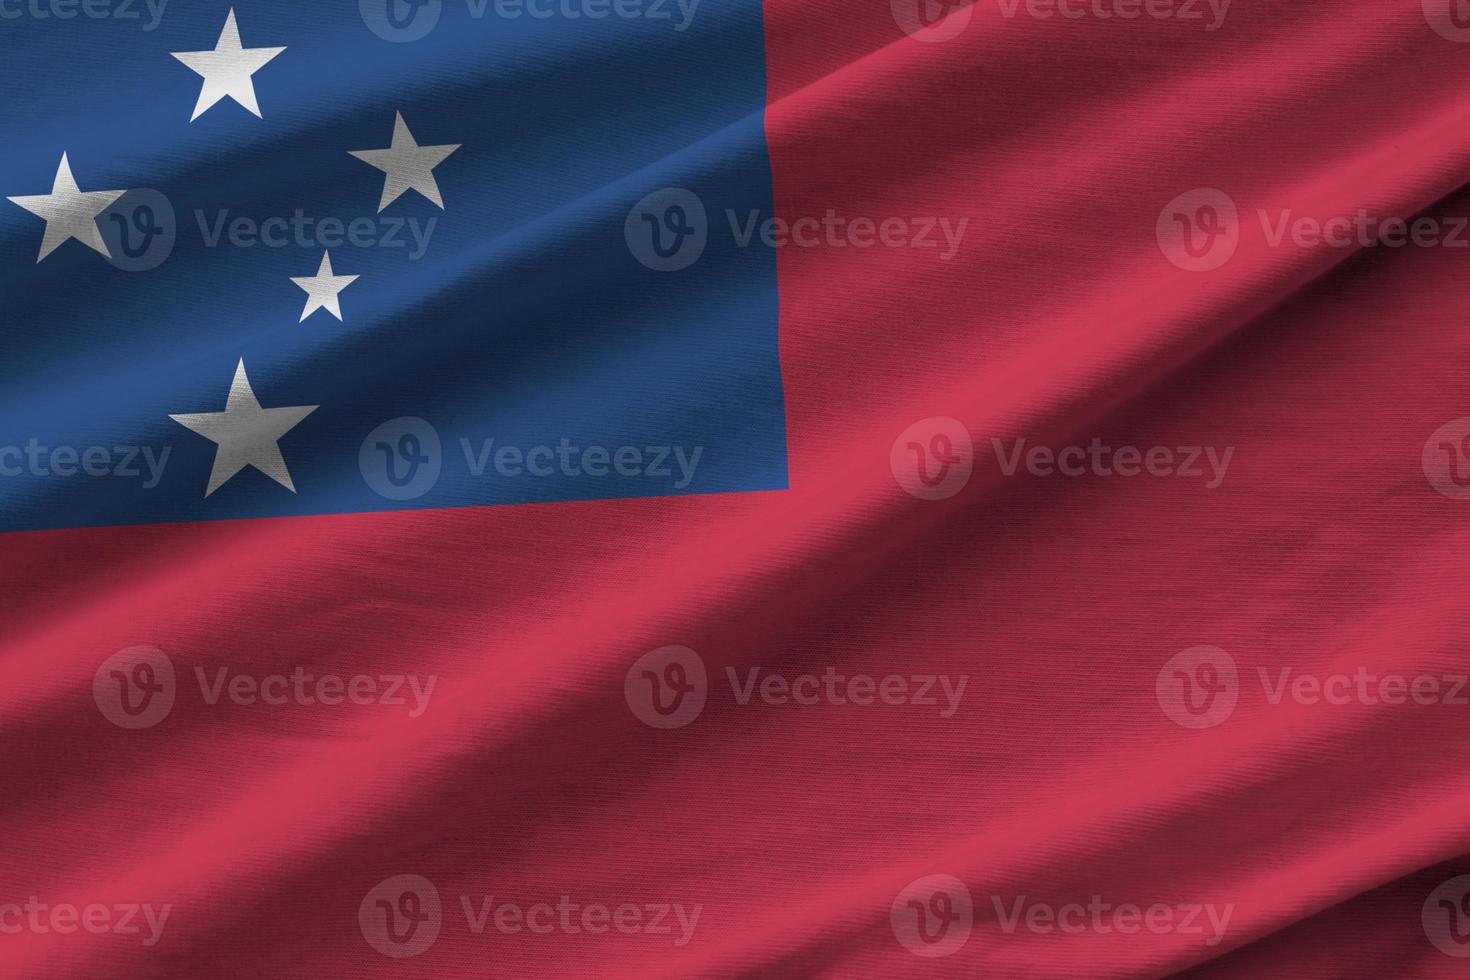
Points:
(227, 69)
(246, 434)
(408, 165)
(322, 289)
(69, 211)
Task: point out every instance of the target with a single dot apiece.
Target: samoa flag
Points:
(724, 488)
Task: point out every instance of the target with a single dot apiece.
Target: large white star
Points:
(246, 434)
(408, 165)
(69, 211)
(322, 289)
(227, 69)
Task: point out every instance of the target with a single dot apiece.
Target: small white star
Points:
(408, 165)
(322, 289)
(246, 434)
(69, 212)
(227, 69)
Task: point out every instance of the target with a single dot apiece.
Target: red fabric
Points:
(1325, 549)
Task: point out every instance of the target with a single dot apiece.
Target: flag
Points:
(657, 488)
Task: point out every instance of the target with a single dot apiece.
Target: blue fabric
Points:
(527, 319)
